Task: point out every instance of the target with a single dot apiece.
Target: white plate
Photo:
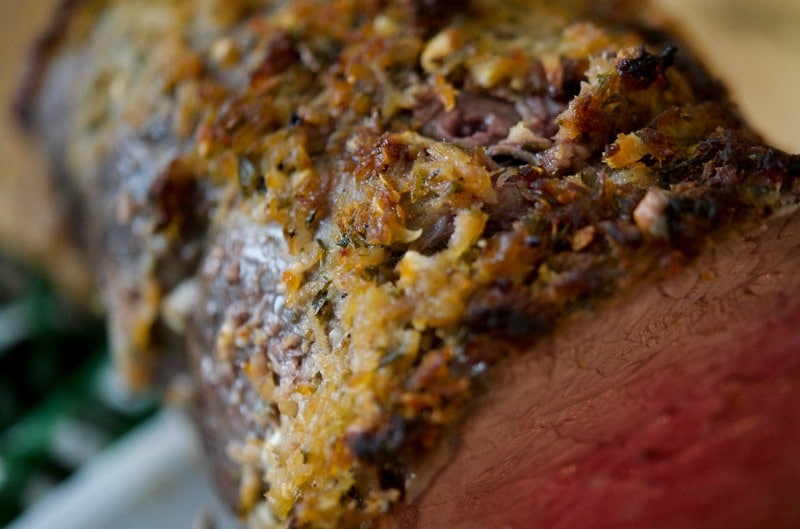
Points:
(152, 479)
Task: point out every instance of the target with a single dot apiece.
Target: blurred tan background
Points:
(27, 224)
(754, 46)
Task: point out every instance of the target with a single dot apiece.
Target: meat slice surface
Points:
(674, 406)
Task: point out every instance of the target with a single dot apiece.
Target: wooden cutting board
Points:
(753, 45)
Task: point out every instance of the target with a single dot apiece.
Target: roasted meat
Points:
(438, 264)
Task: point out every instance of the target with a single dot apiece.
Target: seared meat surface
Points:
(378, 232)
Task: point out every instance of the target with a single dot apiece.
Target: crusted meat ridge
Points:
(354, 210)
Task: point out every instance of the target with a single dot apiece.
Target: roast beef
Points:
(438, 264)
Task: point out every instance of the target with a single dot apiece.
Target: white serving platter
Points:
(153, 478)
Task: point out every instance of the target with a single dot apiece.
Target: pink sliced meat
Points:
(676, 407)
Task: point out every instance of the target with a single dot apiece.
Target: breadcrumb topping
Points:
(447, 188)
